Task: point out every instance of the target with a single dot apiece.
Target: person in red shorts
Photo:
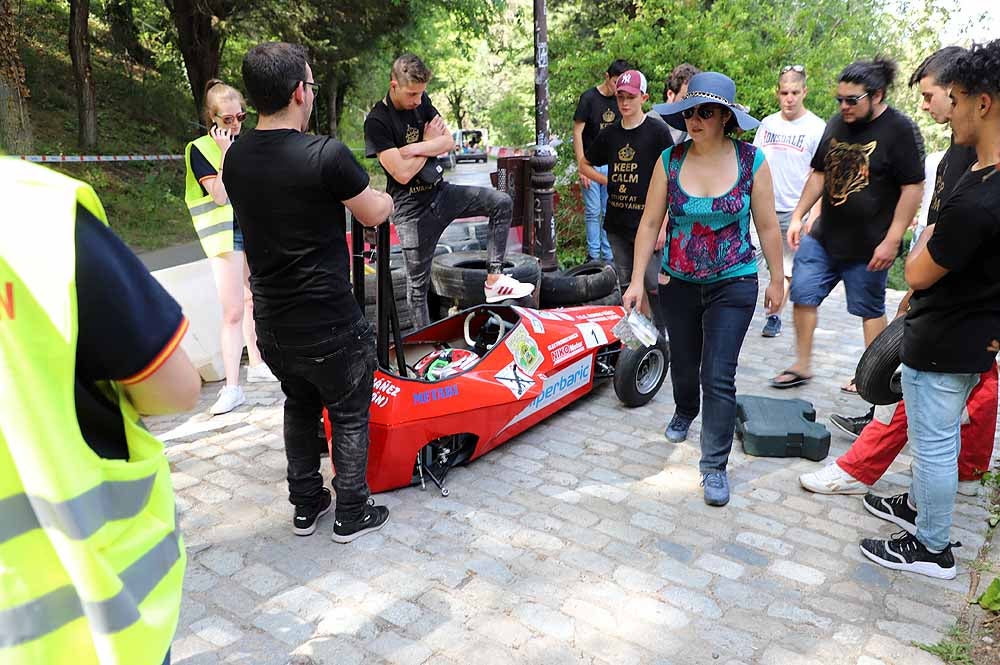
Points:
(883, 439)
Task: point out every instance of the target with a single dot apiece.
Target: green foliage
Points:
(954, 649)
(990, 600)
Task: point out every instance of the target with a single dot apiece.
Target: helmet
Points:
(443, 363)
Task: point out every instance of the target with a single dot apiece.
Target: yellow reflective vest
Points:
(91, 559)
(212, 222)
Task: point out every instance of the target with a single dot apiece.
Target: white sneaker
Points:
(507, 287)
(831, 479)
(230, 397)
(969, 487)
(260, 373)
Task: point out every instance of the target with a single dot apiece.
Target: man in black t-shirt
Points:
(288, 190)
(630, 149)
(869, 169)
(954, 163)
(596, 110)
(406, 133)
(952, 329)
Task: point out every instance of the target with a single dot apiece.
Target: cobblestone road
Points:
(583, 541)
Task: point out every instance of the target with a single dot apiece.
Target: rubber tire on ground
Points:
(627, 373)
(461, 276)
(875, 376)
(589, 281)
(403, 311)
(398, 284)
(613, 298)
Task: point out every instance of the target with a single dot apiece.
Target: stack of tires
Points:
(457, 279)
(398, 293)
(592, 283)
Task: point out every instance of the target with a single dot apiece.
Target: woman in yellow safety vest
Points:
(222, 240)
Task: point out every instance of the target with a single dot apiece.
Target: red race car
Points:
(458, 388)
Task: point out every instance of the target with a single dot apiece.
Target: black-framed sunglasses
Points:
(230, 118)
(850, 100)
(800, 69)
(704, 112)
(313, 85)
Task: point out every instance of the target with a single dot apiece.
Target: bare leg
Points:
(805, 325)
(228, 272)
(873, 328)
(249, 327)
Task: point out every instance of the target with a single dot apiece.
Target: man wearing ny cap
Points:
(630, 149)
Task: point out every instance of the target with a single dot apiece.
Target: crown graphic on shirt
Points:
(626, 154)
(412, 134)
(609, 116)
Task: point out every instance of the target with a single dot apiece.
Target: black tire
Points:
(460, 276)
(403, 311)
(613, 298)
(876, 376)
(639, 374)
(398, 284)
(590, 281)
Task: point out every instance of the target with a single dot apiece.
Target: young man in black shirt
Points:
(951, 331)
(596, 110)
(289, 189)
(629, 149)
(954, 163)
(869, 169)
(406, 133)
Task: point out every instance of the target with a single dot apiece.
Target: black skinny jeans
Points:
(419, 234)
(331, 367)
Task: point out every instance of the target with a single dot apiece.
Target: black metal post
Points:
(544, 157)
(358, 262)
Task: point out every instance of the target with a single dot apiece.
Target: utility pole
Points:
(544, 158)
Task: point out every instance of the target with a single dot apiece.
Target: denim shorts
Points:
(815, 274)
(237, 239)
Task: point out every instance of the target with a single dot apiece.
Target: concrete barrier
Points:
(192, 285)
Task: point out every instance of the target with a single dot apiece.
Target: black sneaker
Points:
(306, 517)
(904, 552)
(894, 509)
(852, 425)
(374, 518)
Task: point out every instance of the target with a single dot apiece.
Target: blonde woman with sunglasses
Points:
(222, 240)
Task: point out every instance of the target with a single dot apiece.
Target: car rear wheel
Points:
(639, 374)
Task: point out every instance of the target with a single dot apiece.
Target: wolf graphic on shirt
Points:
(848, 167)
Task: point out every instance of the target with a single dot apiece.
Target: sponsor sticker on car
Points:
(514, 379)
(435, 394)
(382, 391)
(557, 386)
(565, 340)
(525, 350)
(536, 323)
(593, 334)
(566, 351)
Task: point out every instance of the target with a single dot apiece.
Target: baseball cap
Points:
(632, 82)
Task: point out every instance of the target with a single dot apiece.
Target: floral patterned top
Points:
(708, 238)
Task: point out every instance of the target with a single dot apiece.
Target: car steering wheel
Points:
(493, 318)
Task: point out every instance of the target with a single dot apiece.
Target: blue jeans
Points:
(706, 324)
(815, 273)
(934, 403)
(595, 202)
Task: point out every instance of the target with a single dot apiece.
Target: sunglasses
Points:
(230, 119)
(850, 100)
(800, 69)
(704, 112)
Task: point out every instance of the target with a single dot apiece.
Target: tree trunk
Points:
(79, 51)
(199, 41)
(124, 34)
(337, 85)
(15, 124)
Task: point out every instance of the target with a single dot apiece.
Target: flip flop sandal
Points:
(796, 380)
(850, 389)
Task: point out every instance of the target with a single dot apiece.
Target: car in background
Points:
(470, 145)
(446, 160)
